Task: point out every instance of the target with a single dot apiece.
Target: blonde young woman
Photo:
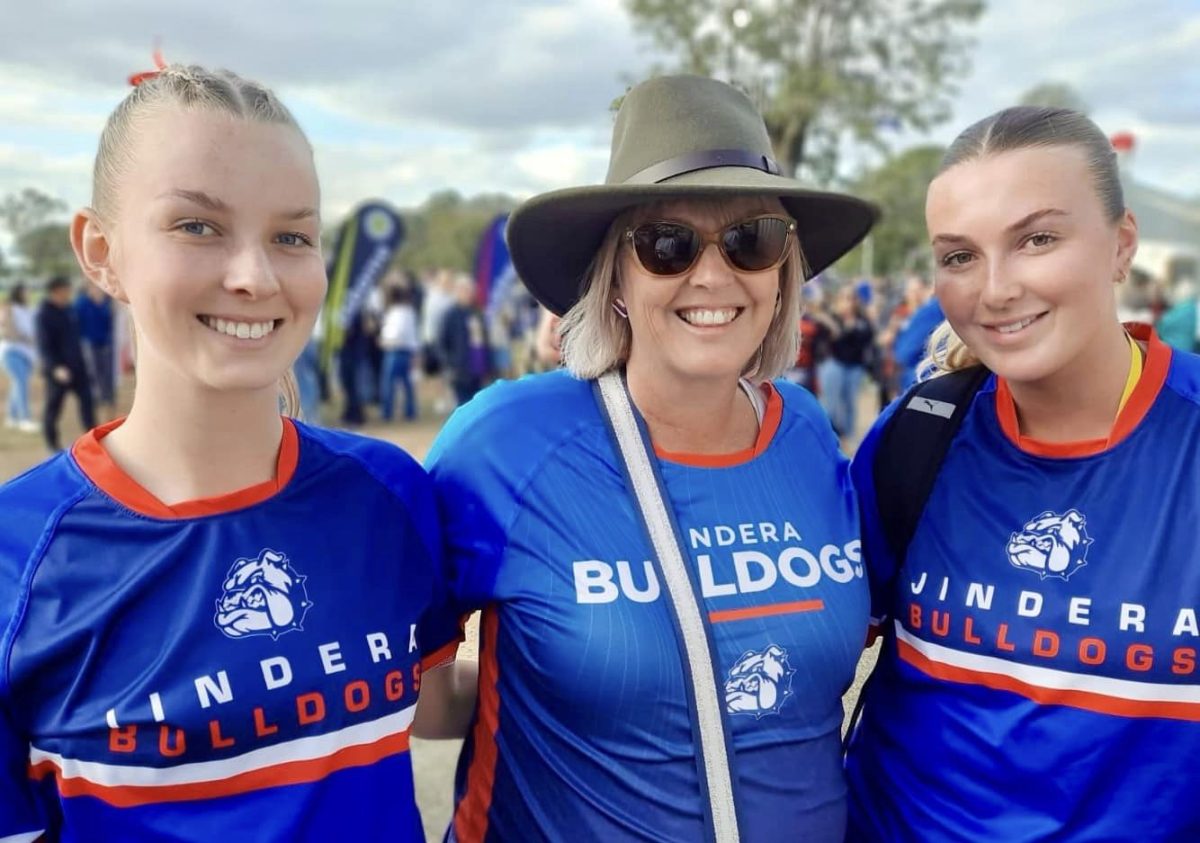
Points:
(664, 542)
(214, 621)
(1038, 675)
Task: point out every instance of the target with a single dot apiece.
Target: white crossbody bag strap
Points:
(709, 699)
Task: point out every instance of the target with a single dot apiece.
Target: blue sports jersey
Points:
(583, 730)
(244, 668)
(1038, 680)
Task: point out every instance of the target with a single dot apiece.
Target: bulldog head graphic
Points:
(1051, 545)
(759, 683)
(262, 596)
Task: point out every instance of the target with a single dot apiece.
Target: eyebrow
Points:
(198, 197)
(1023, 222)
(211, 203)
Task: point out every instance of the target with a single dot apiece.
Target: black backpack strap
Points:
(912, 446)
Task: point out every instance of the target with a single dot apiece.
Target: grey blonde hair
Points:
(1024, 127)
(188, 87)
(596, 340)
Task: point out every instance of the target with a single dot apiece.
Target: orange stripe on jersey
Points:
(95, 462)
(293, 772)
(766, 432)
(1154, 375)
(766, 611)
(471, 816)
(1086, 700)
(440, 657)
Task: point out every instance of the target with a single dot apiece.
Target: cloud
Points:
(481, 66)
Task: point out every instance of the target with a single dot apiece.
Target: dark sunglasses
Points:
(672, 248)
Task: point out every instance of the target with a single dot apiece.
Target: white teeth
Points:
(241, 330)
(709, 317)
(1016, 326)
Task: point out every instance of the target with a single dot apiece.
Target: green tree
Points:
(47, 249)
(1054, 95)
(444, 232)
(25, 211)
(823, 71)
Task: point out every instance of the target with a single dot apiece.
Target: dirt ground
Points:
(433, 761)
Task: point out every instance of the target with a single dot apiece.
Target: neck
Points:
(1080, 401)
(181, 443)
(694, 415)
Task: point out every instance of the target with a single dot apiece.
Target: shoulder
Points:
(802, 408)
(31, 507)
(523, 414)
(1183, 376)
(384, 462)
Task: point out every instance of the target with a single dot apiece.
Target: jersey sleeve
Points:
(478, 499)
(882, 567)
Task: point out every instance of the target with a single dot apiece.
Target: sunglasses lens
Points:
(665, 248)
(755, 245)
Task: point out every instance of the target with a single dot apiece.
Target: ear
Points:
(93, 250)
(1127, 243)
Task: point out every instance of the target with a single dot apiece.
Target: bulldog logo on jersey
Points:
(759, 683)
(262, 596)
(1051, 545)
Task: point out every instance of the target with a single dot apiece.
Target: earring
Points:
(619, 307)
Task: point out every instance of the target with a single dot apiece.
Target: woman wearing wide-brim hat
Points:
(663, 542)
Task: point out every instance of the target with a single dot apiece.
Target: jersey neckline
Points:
(95, 462)
(766, 433)
(1154, 375)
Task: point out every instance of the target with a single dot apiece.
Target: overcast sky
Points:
(401, 99)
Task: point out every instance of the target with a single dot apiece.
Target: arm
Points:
(447, 701)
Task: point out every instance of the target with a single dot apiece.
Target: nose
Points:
(1000, 286)
(711, 270)
(251, 274)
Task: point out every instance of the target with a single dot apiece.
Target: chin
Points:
(1025, 367)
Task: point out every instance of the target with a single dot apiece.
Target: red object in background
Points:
(1123, 141)
(138, 78)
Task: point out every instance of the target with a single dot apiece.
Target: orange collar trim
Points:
(1154, 375)
(766, 432)
(99, 467)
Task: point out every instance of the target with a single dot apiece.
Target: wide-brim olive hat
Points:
(675, 137)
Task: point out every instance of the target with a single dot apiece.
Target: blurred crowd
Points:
(862, 343)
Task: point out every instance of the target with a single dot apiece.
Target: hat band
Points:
(703, 160)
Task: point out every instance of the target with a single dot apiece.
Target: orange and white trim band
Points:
(295, 762)
(1101, 694)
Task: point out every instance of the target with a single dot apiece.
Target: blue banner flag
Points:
(494, 274)
(366, 243)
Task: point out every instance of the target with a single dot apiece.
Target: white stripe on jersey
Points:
(1057, 680)
(303, 749)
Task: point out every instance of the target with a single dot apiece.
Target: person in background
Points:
(908, 347)
(463, 343)
(94, 312)
(61, 354)
(18, 356)
(1179, 326)
(850, 346)
(400, 341)
(438, 299)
